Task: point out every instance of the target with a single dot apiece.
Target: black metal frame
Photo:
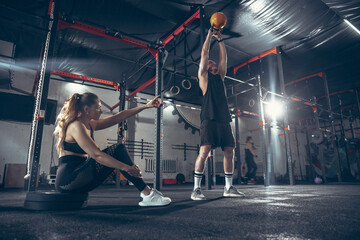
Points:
(46, 64)
(158, 119)
(121, 125)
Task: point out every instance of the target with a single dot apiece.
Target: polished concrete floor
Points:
(276, 212)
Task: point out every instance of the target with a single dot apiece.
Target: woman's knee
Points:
(120, 153)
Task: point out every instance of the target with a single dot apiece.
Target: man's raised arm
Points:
(222, 56)
(202, 73)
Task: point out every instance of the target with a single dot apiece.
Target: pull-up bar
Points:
(338, 92)
(241, 81)
(181, 27)
(107, 34)
(86, 78)
(319, 74)
(271, 51)
(153, 79)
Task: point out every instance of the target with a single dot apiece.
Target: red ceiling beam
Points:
(86, 78)
(338, 92)
(142, 87)
(301, 119)
(271, 51)
(320, 74)
(348, 106)
(301, 100)
(247, 113)
(103, 33)
(181, 27)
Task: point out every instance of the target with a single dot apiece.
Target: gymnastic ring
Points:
(172, 90)
(251, 102)
(183, 84)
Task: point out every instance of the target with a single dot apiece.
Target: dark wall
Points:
(20, 108)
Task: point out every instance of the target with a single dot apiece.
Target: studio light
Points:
(274, 109)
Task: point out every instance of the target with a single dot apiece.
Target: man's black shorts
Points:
(216, 134)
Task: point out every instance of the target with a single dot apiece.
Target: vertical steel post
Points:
(298, 151)
(321, 149)
(356, 150)
(202, 40)
(41, 97)
(262, 122)
(213, 170)
(270, 156)
(286, 121)
(310, 171)
(121, 125)
(333, 132)
(344, 138)
(209, 166)
(158, 119)
(237, 141)
(357, 100)
(351, 124)
(202, 25)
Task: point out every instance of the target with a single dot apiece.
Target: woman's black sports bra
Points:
(74, 147)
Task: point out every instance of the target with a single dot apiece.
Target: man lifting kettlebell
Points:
(215, 130)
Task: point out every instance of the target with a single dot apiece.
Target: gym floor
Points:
(278, 212)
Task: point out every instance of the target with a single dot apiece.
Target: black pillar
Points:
(237, 140)
(210, 160)
(343, 139)
(202, 40)
(41, 100)
(122, 125)
(202, 25)
(264, 144)
(321, 148)
(357, 101)
(286, 121)
(158, 119)
(298, 151)
(333, 132)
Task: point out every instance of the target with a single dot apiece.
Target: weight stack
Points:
(52, 200)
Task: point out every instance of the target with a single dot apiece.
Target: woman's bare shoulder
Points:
(75, 126)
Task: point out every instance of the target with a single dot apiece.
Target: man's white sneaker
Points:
(155, 198)
(197, 195)
(232, 192)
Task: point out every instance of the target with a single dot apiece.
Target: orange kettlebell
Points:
(218, 20)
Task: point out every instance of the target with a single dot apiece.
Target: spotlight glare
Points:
(352, 26)
(274, 109)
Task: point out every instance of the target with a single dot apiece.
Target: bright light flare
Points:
(274, 109)
(352, 26)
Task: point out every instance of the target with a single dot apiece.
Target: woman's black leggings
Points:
(81, 174)
(252, 167)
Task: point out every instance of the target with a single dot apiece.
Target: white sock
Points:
(197, 179)
(228, 180)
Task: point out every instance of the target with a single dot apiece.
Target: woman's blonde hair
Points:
(72, 109)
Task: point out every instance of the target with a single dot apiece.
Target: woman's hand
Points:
(154, 103)
(134, 171)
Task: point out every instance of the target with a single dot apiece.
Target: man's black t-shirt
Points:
(215, 105)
